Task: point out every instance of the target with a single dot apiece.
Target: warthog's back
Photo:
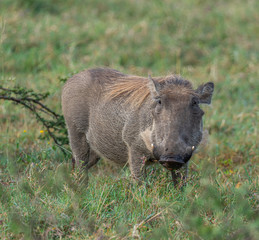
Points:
(83, 92)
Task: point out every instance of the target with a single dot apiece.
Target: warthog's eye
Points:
(158, 100)
(195, 107)
(195, 102)
(158, 105)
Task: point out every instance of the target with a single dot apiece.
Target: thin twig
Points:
(28, 103)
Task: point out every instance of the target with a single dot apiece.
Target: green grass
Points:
(41, 42)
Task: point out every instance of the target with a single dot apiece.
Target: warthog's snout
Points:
(174, 161)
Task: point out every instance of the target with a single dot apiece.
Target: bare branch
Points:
(32, 101)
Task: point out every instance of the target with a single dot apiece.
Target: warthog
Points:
(128, 119)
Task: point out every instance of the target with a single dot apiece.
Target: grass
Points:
(42, 42)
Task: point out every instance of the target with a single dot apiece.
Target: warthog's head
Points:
(177, 119)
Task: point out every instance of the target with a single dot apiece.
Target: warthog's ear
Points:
(205, 92)
(154, 87)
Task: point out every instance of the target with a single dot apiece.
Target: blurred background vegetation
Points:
(43, 42)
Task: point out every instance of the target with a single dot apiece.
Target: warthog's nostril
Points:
(166, 149)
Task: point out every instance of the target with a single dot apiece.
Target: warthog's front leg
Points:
(177, 175)
(136, 164)
(186, 166)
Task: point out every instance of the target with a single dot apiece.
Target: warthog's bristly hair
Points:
(135, 90)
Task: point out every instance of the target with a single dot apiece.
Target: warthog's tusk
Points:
(152, 146)
(193, 147)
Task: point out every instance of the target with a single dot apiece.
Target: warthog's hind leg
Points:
(82, 153)
(93, 158)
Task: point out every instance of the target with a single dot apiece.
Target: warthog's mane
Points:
(135, 90)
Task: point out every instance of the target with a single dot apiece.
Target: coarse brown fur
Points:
(136, 90)
(127, 118)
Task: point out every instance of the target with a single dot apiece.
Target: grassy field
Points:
(42, 42)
